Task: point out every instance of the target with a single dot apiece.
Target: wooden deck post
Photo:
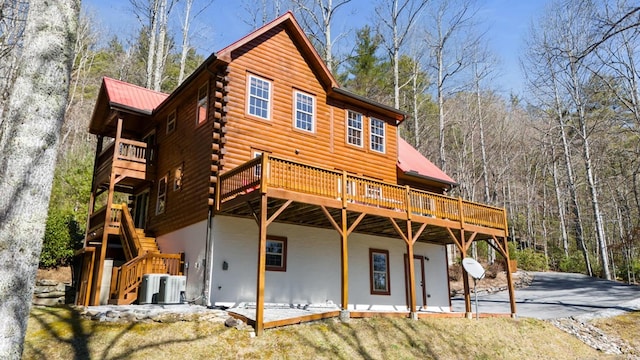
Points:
(105, 235)
(412, 271)
(512, 295)
(344, 261)
(262, 248)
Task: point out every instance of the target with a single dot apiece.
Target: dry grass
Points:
(59, 333)
(626, 327)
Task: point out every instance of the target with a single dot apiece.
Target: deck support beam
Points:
(344, 230)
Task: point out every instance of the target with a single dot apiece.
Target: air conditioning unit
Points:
(172, 289)
(149, 288)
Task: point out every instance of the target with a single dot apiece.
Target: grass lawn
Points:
(60, 333)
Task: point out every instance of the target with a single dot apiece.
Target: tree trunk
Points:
(586, 151)
(151, 48)
(185, 39)
(159, 57)
(29, 134)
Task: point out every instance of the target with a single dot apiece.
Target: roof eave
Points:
(416, 174)
(390, 111)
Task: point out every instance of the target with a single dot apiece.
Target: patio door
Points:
(419, 282)
(141, 206)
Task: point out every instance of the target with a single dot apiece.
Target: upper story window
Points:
(171, 122)
(201, 112)
(259, 97)
(304, 111)
(377, 135)
(354, 128)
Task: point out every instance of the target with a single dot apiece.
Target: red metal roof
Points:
(132, 96)
(411, 161)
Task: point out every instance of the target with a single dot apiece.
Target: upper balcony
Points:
(128, 160)
(313, 191)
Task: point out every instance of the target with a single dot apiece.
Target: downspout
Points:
(208, 261)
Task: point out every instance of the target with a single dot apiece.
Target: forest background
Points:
(562, 155)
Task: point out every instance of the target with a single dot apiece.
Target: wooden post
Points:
(262, 247)
(412, 270)
(344, 261)
(512, 295)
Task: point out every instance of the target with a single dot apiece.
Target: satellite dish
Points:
(476, 271)
(473, 268)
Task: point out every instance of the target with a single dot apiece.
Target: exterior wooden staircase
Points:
(143, 257)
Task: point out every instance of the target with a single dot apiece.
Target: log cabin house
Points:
(261, 180)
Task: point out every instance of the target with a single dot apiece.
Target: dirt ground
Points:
(59, 274)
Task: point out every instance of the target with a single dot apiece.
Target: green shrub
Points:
(61, 238)
(530, 260)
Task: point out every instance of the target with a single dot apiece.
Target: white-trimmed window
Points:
(161, 202)
(304, 111)
(376, 130)
(203, 102)
(379, 271)
(259, 98)
(276, 255)
(354, 128)
(171, 122)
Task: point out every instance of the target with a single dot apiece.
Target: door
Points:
(140, 209)
(419, 281)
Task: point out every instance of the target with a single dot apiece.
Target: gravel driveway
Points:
(558, 295)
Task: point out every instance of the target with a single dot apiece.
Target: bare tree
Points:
(262, 14)
(449, 36)
(12, 22)
(29, 134)
(397, 19)
(317, 17)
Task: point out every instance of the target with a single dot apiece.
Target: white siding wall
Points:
(191, 241)
(313, 267)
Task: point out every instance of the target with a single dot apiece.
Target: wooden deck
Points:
(312, 188)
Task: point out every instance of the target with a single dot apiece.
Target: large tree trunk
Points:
(29, 133)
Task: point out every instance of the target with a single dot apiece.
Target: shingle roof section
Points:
(410, 160)
(132, 96)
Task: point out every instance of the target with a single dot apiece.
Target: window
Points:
(257, 172)
(259, 97)
(304, 111)
(161, 204)
(201, 112)
(171, 122)
(276, 255)
(377, 135)
(379, 266)
(354, 128)
(177, 178)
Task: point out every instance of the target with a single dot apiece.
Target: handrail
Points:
(129, 275)
(132, 150)
(128, 232)
(294, 176)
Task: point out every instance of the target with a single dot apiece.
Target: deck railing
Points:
(127, 278)
(131, 150)
(293, 176)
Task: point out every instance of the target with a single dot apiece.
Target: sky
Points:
(506, 22)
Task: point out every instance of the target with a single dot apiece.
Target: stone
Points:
(231, 322)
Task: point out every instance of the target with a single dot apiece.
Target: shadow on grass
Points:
(63, 325)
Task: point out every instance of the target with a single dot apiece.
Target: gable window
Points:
(379, 272)
(171, 122)
(161, 202)
(377, 135)
(276, 255)
(259, 97)
(201, 111)
(354, 128)
(304, 112)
